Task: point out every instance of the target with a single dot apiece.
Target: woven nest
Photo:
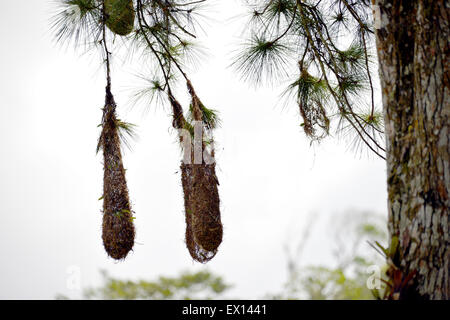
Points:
(204, 229)
(120, 16)
(118, 228)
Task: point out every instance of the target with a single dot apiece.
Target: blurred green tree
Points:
(352, 236)
(187, 286)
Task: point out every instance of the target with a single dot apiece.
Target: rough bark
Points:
(413, 48)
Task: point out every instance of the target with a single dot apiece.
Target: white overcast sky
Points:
(272, 181)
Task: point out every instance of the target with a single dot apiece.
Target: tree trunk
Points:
(413, 48)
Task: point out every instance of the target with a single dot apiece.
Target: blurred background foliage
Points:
(186, 286)
(349, 240)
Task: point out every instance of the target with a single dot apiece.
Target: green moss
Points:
(120, 16)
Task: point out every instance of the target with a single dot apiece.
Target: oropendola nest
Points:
(204, 229)
(120, 16)
(118, 227)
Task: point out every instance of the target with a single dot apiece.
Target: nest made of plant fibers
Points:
(197, 253)
(118, 228)
(120, 16)
(204, 228)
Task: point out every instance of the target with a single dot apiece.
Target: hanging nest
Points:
(204, 229)
(120, 16)
(197, 253)
(118, 227)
